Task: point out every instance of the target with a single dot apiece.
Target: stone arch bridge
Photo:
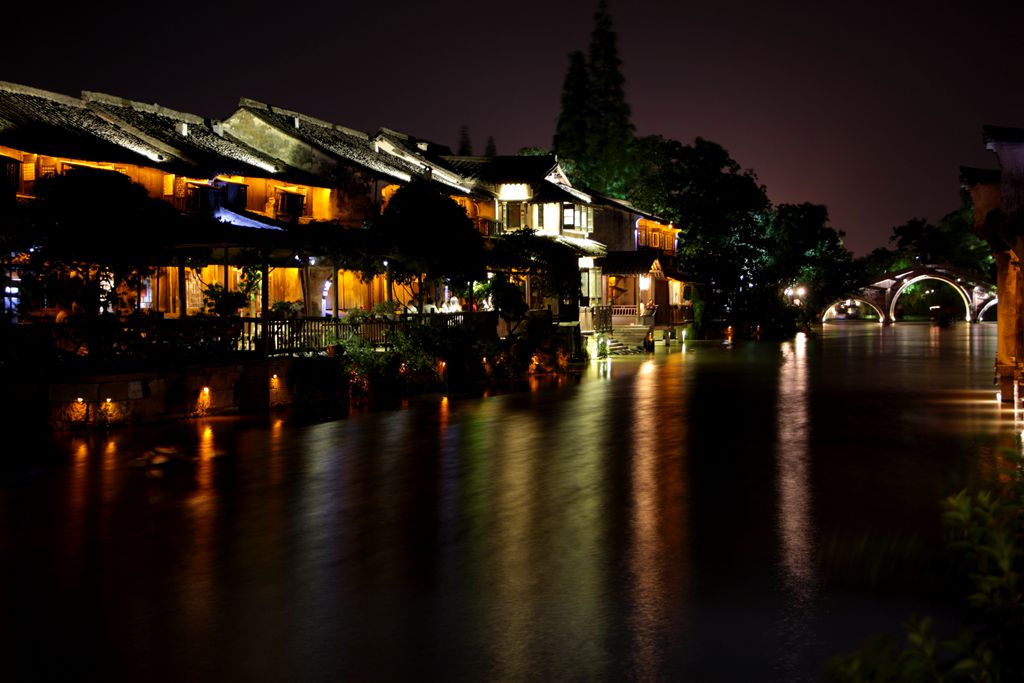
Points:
(978, 295)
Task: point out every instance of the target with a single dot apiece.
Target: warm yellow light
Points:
(206, 390)
(108, 400)
(645, 283)
(79, 399)
(510, 192)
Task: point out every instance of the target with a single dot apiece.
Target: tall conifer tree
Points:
(610, 133)
(465, 145)
(570, 142)
(594, 133)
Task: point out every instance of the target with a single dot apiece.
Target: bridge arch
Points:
(977, 294)
(990, 304)
(904, 283)
(878, 311)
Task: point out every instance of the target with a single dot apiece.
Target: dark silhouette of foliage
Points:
(610, 132)
(422, 236)
(722, 211)
(465, 145)
(65, 246)
(571, 141)
(491, 150)
(807, 252)
(594, 132)
(552, 266)
(986, 533)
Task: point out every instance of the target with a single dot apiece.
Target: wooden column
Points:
(265, 304)
(182, 291)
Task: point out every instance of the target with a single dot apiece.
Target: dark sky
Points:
(869, 108)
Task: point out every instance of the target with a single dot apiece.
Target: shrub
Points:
(986, 532)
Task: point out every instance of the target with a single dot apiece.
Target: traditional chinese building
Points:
(998, 199)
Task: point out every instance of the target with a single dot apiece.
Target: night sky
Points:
(869, 108)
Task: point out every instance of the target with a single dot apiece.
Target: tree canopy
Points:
(421, 234)
(68, 251)
(720, 208)
(465, 144)
(806, 252)
(594, 132)
(952, 241)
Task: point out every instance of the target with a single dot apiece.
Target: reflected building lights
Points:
(795, 514)
(646, 551)
(204, 472)
(199, 590)
(276, 459)
(515, 564)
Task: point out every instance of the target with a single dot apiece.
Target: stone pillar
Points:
(1008, 280)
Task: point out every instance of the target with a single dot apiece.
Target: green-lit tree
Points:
(806, 252)
(722, 211)
(952, 241)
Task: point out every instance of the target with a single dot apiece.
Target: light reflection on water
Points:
(795, 503)
(716, 514)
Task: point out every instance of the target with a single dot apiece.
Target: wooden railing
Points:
(314, 334)
(171, 341)
(602, 318)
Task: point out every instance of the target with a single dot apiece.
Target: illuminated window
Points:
(568, 215)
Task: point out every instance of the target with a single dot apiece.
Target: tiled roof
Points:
(187, 136)
(59, 125)
(623, 204)
(432, 150)
(503, 169)
(541, 172)
(421, 155)
(339, 141)
(1003, 134)
(979, 176)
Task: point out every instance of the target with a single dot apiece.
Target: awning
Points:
(245, 221)
(630, 263)
(583, 246)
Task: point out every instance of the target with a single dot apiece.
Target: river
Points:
(705, 513)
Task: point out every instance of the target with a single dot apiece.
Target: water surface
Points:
(706, 513)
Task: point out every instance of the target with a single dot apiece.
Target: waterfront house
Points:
(638, 275)
(180, 158)
(998, 199)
